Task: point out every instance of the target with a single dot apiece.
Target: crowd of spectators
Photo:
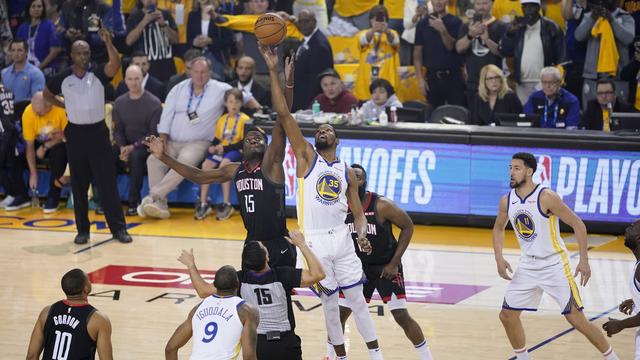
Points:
(570, 63)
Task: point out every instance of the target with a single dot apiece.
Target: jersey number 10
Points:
(62, 345)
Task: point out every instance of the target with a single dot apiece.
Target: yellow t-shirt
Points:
(347, 8)
(230, 130)
(35, 127)
(386, 58)
(503, 9)
(395, 8)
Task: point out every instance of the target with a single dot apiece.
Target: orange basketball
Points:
(270, 29)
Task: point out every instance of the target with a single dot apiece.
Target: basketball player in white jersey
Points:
(544, 265)
(630, 306)
(327, 188)
(220, 325)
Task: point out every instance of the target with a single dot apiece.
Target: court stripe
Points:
(92, 246)
(559, 335)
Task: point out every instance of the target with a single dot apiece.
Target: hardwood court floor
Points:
(450, 274)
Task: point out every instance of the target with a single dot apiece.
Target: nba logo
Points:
(543, 173)
(289, 172)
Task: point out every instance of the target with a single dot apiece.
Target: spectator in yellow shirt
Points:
(226, 148)
(42, 128)
(378, 53)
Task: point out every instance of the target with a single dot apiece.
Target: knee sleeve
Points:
(358, 305)
(332, 318)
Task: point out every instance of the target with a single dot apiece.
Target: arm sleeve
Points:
(99, 72)
(624, 31)
(420, 32)
(583, 30)
(37, 83)
(289, 277)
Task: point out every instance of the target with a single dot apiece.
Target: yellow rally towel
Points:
(245, 23)
(608, 55)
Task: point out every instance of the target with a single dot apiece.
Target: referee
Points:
(88, 146)
(269, 290)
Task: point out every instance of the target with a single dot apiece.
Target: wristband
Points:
(469, 37)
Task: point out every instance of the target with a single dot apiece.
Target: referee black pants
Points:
(288, 347)
(90, 157)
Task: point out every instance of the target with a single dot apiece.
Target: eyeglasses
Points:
(552, 82)
(603, 93)
(492, 78)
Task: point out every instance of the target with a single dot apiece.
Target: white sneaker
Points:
(140, 209)
(157, 209)
(6, 202)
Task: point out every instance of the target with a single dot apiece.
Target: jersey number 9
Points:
(210, 331)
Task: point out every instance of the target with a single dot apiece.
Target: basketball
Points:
(270, 29)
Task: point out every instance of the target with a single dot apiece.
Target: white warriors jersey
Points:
(322, 196)
(217, 329)
(635, 290)
(538, 233)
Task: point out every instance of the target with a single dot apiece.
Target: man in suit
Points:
(598, 114)
(245, 69)
(312, 57)
(149, 83)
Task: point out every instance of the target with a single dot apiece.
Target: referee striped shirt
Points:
(270, 293)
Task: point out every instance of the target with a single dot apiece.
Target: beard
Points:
(362, 190)
(322, 145)
(253, 155)
(516, 184)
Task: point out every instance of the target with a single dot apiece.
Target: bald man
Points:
(313, 57)
(136, 115)
(149, 82)
(88, 144)
(245, 70)
(42, 128)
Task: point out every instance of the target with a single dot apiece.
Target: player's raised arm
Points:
(202, 287)
(180, 337)
(550, 201)
(498, 239)
(303, 150)
(359, 220)
(388, 210)
(198, 176)
(314, 273)
(250, 318)
(36, 344)
(274, 156)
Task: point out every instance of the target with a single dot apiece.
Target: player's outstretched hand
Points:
(626, 307)
(612, 327)
(155, 145)
(187, 258)
(270, 56)
(584, 270)
(503, 267)
(295, 238)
